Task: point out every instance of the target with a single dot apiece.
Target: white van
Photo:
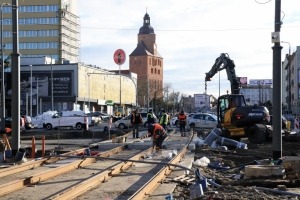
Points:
(74, 119)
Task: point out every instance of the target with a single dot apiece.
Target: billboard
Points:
(260, 82)
(202, 100)
(40, 84)
(243, 80)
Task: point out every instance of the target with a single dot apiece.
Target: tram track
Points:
(72, 176)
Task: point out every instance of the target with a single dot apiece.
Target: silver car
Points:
(126, 123)
(203, 120)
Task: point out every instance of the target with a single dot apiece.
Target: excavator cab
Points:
(227, 102)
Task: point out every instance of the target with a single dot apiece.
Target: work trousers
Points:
(159, 141)
(135, 130)
(182, 127)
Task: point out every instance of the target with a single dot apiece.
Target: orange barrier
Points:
(43, 146)
(33, 147)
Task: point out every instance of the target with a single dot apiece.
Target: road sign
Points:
(119, 56)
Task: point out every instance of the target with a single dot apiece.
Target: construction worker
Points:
(182, 123)
(136, 120)
(158, 134)
(150, 117)
(164, 119)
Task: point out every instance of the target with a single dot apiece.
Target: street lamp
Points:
(52, 100)
(120, 87)
(2, 72)
(37, 96)
(30, 90)
(89, 92)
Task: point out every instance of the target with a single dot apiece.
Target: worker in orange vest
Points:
(182, 123)
(158, 134)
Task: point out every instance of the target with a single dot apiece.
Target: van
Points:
(73, 119)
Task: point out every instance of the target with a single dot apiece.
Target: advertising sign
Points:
(40, 84)
(201, 100)
(260, 82)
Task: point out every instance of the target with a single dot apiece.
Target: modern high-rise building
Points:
(147, 63)
(46, 28)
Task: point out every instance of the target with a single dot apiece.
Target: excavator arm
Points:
(224, 62)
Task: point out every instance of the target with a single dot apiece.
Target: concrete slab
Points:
(264, 171)
(169, 186)
(108, 146)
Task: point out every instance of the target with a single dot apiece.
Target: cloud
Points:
(190, 35)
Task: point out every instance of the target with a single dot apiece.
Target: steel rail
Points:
(94, 181)
(41, 161)
(146, 190)
(21, 183)
(84, 161)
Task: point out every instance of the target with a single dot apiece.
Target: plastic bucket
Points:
(231, 143)
(8, 153)
(20, 155)
(213, 135)
(87, 152)
(2, 157)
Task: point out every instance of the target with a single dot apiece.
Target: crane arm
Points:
(224, 62)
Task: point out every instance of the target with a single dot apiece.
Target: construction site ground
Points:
(233, 184)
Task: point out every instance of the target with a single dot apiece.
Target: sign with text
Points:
(260, 82)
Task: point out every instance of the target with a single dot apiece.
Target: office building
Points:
(46, 28)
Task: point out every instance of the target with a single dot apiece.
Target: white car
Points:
(125, 121)
(203, 120)
(174, 121)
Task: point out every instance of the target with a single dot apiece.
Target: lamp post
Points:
(30, 90)
(52, 100)
(89, 92)
(2, 72)
(37, 96)
(120, 87)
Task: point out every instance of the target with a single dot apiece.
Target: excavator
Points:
(235, 118)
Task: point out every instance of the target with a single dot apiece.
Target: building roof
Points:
(140, 50)
(146, 28)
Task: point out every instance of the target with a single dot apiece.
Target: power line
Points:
(186, 30)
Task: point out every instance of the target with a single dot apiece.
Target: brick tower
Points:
(147, 63)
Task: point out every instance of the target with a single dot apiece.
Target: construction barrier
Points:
(296, 125)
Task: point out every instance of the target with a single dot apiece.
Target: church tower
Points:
(147, 63)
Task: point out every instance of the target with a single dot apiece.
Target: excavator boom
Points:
(224, 62)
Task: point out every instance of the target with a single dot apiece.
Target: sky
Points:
(190, 35)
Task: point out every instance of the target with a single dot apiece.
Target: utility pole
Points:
(15, 73)
(277, 110)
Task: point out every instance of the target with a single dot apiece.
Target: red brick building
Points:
(147, 63)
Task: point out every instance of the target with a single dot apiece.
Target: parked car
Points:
(203, 120)
(103, 116)
(174, 120)
(126, 123)
(96, 117)
(284, 121)
(25, 122)
(28, 122)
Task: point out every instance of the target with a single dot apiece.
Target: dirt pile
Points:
(226, 168)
